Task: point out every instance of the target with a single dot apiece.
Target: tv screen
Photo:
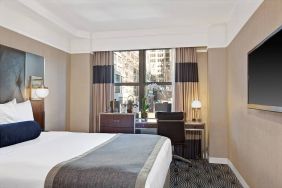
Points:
(265, 74)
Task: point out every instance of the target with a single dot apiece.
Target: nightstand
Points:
(198, 126)
(38, 112)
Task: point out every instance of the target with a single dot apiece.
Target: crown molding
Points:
(40, 10)
(239, 17)
(77, 41)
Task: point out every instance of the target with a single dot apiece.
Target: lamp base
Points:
(196, 120)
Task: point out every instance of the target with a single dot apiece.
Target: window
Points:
(159, 70)
(161, 95)
(126, 67)
(143, 73)
(124, 93)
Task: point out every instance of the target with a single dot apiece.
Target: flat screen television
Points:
(265, 74)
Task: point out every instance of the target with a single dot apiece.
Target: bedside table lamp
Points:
(42, 92)
(196, 106)
(38, 91)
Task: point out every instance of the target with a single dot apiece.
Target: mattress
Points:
(27, 164)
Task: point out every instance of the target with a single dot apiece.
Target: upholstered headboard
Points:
(16, 67)
(12, 74)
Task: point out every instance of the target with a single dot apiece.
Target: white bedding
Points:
(27, 164)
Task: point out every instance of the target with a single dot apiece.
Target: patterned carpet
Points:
(202, 175)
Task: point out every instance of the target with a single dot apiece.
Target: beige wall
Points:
(217, 97)
(255, 136)
(80, 92)
(56, 74)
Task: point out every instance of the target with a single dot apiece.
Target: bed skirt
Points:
(167, 179)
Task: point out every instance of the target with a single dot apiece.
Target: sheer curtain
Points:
(186, 87)
(103, 85)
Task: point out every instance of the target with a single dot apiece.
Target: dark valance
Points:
(186, 72)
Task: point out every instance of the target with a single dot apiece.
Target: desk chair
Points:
(163, 107)
(172, 125)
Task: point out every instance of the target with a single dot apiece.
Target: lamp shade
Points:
(196, 104)
(42, 92)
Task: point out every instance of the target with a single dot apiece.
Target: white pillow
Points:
(23, 112)
(14, 101)
(7, 113)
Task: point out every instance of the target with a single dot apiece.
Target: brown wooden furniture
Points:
(38, 112)
(117, 123)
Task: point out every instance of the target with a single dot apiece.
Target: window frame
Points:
(142, 74)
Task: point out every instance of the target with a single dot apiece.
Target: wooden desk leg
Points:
(203, 144)
(204, 151)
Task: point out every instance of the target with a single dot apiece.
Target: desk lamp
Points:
(196, 106)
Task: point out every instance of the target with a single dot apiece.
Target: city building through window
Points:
(143, 74)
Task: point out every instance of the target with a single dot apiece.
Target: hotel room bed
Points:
(27, 164)
(29, 161)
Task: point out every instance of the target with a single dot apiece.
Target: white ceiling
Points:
(82, 22)
(113, 15)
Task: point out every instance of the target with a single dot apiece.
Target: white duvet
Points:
(27, 164)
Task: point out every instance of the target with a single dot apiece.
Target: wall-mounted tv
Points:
(265, 74)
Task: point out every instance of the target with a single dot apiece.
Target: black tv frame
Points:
(258, 106)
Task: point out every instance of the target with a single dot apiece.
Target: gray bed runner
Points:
(122, 162)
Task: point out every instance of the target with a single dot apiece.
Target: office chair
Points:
(172, 125)
(163, 107)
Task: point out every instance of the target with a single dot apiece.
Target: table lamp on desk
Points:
(196, 106)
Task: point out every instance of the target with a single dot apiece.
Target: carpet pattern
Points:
(202, 175)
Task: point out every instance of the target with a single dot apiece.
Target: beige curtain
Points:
(103, 87)
(186, 81)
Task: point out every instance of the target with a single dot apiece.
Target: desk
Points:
(189, 126)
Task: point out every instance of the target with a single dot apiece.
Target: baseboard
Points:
(218, 160)
(238, 175)
(233, 168)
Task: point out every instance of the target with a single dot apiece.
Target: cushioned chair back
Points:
(171, 125)
(170, 115)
